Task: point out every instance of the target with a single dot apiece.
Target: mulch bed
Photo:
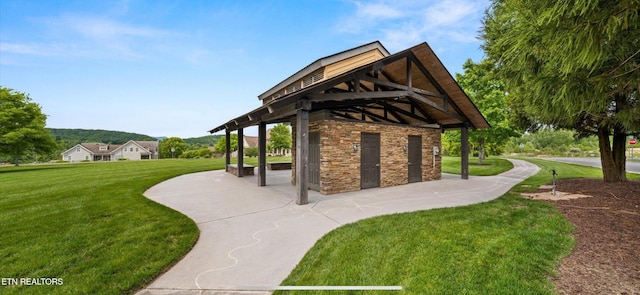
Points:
(606, 258)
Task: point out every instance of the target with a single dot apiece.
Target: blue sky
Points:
(179, 68)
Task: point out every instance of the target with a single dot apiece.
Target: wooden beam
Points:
(345, 115)
(227, 151)
(422, 111)
(395, 85)
(374, 116)
(446, 98)
(436, 106)
(395, 115)
(331, 105)
(284, 111)
(302, 158)
(262, 154)
(240, 152)
(404, 112)
(464, 150)
(409, 81)
(356, 95)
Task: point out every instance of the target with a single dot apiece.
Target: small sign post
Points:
(632, 142)
(553, 174)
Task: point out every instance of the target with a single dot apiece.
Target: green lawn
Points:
(490, 166)
(510, 245)
(89, 225)
(563, 170)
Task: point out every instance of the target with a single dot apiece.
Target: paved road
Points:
(252, 237)
(632, 166)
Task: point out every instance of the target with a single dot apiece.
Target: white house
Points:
(252, 142)
(131, 150)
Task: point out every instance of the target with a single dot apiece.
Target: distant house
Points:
(252, 142)
(131, 150)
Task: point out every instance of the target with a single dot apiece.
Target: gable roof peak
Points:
(323, 62)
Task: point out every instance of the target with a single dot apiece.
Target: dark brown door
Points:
(415, 158)
(369, 160)
(314, 161)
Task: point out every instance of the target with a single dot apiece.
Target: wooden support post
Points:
(464, 169)
(302, 152)
(227, 152)
(262, 154)
(409, 79)
(240, 152)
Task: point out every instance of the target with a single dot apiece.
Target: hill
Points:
(207, 140)
(74, 136)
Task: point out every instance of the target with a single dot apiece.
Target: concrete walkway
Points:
(252, 237)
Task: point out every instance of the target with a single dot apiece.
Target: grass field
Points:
(89, 225)
(507, 246)
(490, 166)
(563, 170)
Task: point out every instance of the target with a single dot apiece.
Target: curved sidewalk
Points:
(252, 237)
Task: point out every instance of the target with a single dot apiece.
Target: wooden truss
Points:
(398, 89)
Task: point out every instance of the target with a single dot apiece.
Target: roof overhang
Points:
(411, 87)
(322, 62)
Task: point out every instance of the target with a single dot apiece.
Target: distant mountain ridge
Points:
(75, 136)
(208, 140)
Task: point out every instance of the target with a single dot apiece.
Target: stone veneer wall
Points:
(340, 165)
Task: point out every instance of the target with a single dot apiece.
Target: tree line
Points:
(280, 139)
(549, 66)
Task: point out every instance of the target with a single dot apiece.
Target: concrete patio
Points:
(252, 237)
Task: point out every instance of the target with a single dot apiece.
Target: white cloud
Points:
(377, 10)
(106, 29)
(450, 13)
(94, 37)
(20, 48)
(366, 15)
(400, 24)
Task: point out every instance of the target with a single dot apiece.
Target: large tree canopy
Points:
(574, 64)
(167, 144)
(487, 93)
(280, 138)
(221, 145)
(22, 125)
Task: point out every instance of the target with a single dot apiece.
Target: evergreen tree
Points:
(575, 65)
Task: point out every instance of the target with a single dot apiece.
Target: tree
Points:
(221, 145)
(487, 93)
(574, 65)
(280, 138)
(251, 152)
(22, 126)
(172, 142)
(197, 153)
